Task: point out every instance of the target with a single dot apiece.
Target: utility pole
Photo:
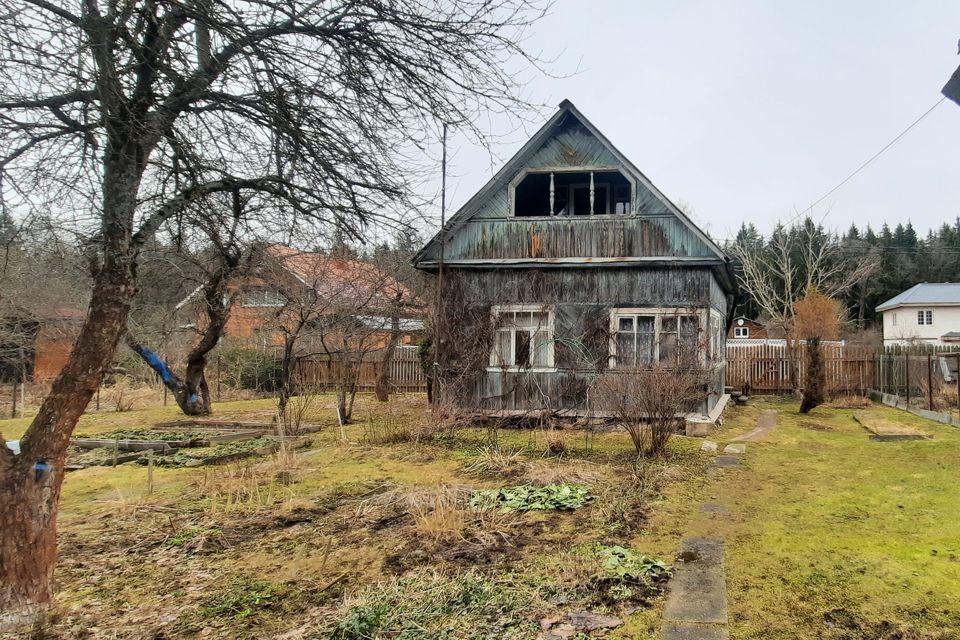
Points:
(438, 334)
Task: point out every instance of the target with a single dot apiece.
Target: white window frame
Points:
(741, 332)
(658, 313)
(925, 317)
(278, 301)
(496, 311)
(717, 336)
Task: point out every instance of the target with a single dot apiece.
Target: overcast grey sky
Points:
(751, 110)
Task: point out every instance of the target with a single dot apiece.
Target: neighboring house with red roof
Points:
(286, 283)
(744, 328)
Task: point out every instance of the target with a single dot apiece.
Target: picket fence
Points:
(760, 365)
(406, 375)
(763, 366)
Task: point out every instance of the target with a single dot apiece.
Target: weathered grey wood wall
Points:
(581, 299)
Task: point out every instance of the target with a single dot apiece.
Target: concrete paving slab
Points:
(708, 445)
(726, 461)
(698, 591)
(765, 424)
(736, 448)
(692, 631)
(712, 507)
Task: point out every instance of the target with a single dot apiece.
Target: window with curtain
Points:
(524, 337)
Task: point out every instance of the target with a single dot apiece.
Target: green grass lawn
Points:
(828, 534)
(833, 535)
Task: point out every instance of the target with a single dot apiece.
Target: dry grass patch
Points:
(850, 402)
(495, 462)
(543, 473)
(442, 515)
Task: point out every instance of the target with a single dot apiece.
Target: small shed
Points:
(569, 262)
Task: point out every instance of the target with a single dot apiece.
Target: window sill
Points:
(566, 218)
(521, 369)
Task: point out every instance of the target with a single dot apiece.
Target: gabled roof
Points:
(517, 163)
(334, 277)
(353, 281)
(925, 293)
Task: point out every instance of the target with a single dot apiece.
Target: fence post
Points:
(219, 358)
(149, 471)
(958, 384)
(879, 371)
(13, 407)
(906, 375)
(930, 382)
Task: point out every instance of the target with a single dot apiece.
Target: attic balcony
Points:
(547, 194)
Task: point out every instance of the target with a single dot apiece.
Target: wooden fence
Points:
(765, 367)
(406, 375)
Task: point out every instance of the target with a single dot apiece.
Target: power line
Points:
(865, 164)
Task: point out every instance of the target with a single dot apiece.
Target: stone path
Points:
(765, 424)
(697, 606)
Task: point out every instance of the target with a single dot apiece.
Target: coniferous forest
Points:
(904, 258)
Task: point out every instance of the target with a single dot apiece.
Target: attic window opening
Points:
(572, 193)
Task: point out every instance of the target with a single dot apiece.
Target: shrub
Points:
(649, 403)
(815, 389)
(243, 368)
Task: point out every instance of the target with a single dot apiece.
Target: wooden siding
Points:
(610, 287)
(493, 232)
(581, 300)
(577, 237)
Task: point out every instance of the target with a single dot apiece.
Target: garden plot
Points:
(176, 448)
(162, 440)
(229, 425)
(885, 429)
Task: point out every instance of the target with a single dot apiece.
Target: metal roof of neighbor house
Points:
(925, 293)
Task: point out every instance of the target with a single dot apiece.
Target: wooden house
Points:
(567, 263)
(330, 294)
(744, 328)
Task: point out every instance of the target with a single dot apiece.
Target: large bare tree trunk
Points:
(382, 387)
(30, 482)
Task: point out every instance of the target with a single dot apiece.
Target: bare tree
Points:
(224, 258)
(117, 117)
(333, 311)
(781, 273)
